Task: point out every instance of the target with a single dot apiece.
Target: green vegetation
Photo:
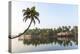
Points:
(49, 36)
(52, 32)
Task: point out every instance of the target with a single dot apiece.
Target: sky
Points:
(51, 15)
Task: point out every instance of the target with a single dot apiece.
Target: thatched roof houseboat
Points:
(26, 37)
(64, 34)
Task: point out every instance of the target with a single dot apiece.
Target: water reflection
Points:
(38, 40)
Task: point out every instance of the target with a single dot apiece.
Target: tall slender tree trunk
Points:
(21, 33)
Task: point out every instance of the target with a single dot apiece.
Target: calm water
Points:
(20, 46)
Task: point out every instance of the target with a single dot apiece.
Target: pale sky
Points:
(51, 15)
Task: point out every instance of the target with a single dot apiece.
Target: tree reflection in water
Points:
(63, 36)
(62, 41)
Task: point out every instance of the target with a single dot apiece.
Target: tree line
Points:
(52, 31)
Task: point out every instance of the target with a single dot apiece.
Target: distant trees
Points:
(74, 32)
(53, 32)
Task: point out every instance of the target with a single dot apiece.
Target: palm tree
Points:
(31, 14)
(67, 28)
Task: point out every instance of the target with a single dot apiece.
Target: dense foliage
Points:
(49, 36)
(52, 32)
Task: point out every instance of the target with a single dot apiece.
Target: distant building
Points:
(66, 39)
(21, 37)
(25, 37)
(63, 33)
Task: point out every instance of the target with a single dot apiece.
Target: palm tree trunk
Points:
(23, 32)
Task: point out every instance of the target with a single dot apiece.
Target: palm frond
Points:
(26, 12)
(37, 13)
(33, 21)
(33, 8)
(25, 18)
(37, 19)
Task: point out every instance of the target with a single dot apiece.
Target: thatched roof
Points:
(25, 37)
(63, 33)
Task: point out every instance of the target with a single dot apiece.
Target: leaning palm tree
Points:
(31, 14)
